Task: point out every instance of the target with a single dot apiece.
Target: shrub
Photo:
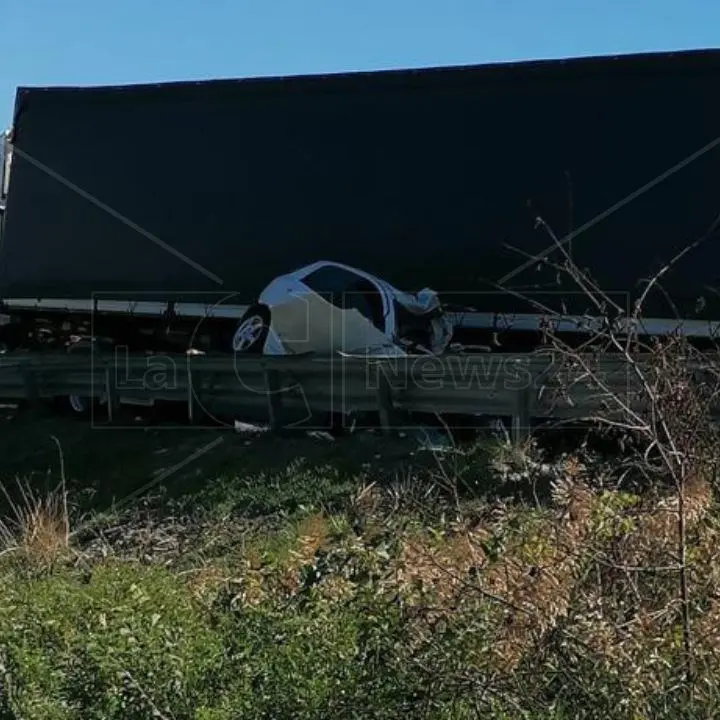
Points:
(125, 644)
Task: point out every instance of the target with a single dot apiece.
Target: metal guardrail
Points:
(522, 387)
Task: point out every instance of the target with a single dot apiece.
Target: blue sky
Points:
(80, 42)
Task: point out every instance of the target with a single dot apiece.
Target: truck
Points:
(154, 215)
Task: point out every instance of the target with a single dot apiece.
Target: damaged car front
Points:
(328, 308)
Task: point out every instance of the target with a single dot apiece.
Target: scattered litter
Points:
(321, 435)
(244, 428)
(431, 439)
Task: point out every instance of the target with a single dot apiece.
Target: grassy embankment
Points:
(354, 579)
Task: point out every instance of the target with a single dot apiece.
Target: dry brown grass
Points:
(38, 527)
(537, 575)
(428, 572)
(312, 535)
(205, 582)
(655, 538)
(249, 587)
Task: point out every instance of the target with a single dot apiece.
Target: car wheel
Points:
(252, 331)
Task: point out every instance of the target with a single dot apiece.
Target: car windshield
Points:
(347, 290)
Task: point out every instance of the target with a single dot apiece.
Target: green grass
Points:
(298, 578)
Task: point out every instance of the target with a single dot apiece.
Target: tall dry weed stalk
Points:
(38, 526)
(664, 404)
(607, 573)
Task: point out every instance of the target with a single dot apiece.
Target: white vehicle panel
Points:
(302, 320)
(311, 324)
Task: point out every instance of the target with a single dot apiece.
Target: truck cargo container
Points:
(182, 200)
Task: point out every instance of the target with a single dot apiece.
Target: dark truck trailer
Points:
(205, 191)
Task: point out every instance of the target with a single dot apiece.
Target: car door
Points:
(346, 310)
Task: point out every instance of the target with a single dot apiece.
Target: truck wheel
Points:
(79, 405)
(252, 331)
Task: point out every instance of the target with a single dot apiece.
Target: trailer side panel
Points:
(197, 191)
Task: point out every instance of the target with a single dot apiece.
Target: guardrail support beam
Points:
(193, 378)
(274, 399)
(521, 417)
(110, 392)
(386, 406)
(32, 389)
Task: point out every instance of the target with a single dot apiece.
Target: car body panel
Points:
(359, 322)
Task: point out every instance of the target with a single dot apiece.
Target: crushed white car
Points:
(327, 308)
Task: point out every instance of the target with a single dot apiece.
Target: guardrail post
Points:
(386, 406)
(521, 416)
(274, 398)
(110, 392)
(192, 376)
(32, 392)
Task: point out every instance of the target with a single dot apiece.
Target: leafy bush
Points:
(125, 643)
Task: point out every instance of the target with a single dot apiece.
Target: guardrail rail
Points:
(525, 387)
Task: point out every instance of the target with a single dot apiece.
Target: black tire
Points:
(76, 405)
(258, 316)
